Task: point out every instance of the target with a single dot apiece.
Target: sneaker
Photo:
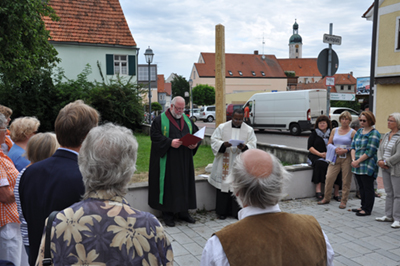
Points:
(396, 224)
(384, 219)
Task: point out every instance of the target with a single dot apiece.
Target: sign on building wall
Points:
(363, 86)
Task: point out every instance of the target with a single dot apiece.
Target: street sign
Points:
(330, 81)
(322, 62)
(332, 39)
(343, 97)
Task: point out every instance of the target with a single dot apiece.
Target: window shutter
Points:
(110, 64)
(132, 65)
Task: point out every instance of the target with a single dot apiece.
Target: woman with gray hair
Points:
(389, 162)
(103, 228)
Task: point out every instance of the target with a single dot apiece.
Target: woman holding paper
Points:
(340, 138)
(227, 141)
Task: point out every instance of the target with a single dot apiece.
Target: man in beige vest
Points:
(264, 235)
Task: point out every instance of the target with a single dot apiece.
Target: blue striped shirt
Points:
(366, 144)
(24, 225)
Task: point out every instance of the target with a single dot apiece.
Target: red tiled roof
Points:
(89, 21)
(303, 67)
(343, 79)
(246, 63)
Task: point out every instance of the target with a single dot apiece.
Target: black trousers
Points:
(367, 192)
(226, 204)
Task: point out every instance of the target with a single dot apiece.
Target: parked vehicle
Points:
(296, 111)
(335, 112)
(207, 113)
(196, 114)
(230, 108)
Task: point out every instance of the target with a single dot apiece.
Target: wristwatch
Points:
(384, 162)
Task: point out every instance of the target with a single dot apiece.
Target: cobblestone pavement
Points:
(355, 240)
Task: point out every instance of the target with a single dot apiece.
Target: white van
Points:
(296, 111)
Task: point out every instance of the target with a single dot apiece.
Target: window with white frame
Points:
(121, 64)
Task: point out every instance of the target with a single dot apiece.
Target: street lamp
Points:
(191, 97)
(149, 58)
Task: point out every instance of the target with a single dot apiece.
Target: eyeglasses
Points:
(179, 109)
(363, 120)
(3, 129)
(391, 121)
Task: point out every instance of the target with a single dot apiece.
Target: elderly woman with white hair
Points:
(103, 229)
(22, 129)
(389, 162)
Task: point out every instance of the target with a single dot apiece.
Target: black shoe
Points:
(362, 213)
(169, 222)
(221, 217)
(355, 210)
(319, 196)
(168, 218)
(187, 218)
(337, 198)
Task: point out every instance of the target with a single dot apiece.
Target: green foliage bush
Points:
(155, 106)
(118, 101)
(203, 94)
(355, 105)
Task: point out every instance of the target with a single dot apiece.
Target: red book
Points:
(190, 139)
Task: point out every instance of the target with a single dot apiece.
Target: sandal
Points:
(319, 196)
(356, 210)
(323, 202)
(342, 206)
(377, 195)
(337, 198)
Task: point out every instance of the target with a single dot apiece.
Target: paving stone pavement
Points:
(355, 240)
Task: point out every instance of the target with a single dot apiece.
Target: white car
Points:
(335, 112)
(196, 114)
(207, 113)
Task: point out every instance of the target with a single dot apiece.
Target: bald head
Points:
(257, 179)
(178, 100)
(257, 163)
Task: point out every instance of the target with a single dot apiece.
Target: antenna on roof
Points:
(263, 43)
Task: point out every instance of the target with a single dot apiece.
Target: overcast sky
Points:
(178, 31)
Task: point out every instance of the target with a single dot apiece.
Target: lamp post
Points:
(191, 97)
(149, 58)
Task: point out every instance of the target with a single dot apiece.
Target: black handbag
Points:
(47, 261)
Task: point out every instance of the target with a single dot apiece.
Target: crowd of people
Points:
(356, 149)
(82, 171)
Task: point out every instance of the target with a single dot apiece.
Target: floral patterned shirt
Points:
(100, 231)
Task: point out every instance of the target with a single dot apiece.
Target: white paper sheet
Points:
(200, 133)
(236, 142)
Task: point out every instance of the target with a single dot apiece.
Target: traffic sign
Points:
(343, 97)
(332, 39)
(330, 81)
(322, 62)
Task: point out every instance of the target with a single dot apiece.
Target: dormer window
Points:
(262, 73)
(230, 72)
(254, 73)
(240, 73)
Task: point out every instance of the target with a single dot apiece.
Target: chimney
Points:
(256, 52)
(351, 73)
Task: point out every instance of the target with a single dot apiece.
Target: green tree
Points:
(155, 106)
(355, 105)
(203, 94)
(24, 44)
(179, 86)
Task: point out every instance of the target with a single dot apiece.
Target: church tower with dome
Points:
(295, 43)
